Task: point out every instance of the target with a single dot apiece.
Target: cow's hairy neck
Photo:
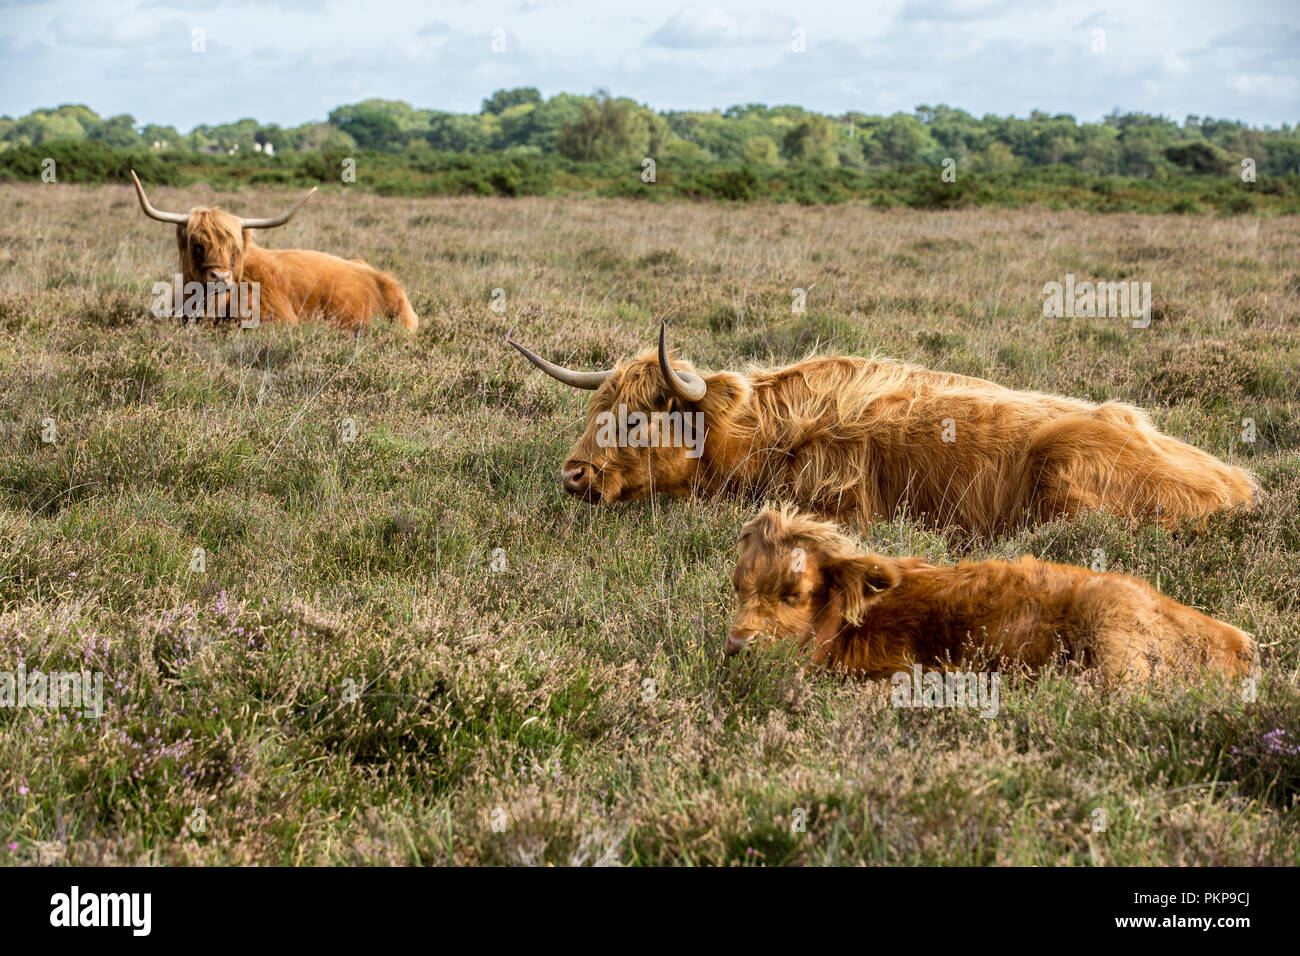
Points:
(810, 430)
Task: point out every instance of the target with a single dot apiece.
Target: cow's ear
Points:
(858, 580)
(726, 391)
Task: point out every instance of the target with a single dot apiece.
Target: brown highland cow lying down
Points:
(852, 438)
(800, 578)
(217, 248)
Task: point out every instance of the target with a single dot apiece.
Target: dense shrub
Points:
(426, 172)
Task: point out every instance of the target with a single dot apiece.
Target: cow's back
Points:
(873, 436)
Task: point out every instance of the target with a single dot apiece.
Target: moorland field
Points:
(413, 647)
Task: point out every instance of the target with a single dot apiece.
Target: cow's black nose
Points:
(576, 479)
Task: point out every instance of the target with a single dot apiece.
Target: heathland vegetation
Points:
(345, 613)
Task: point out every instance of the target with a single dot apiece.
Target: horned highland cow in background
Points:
(856, 438)
(800, 578)
(217, 248)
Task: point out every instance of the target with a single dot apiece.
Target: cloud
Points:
(118, 56)
(695, 29)
(1256, 36)
(957, 10)
(206, 6)
(1268, 86)
(102, 32)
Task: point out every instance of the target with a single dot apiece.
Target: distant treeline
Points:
(520, 122)
(429, 173)
(521, 144)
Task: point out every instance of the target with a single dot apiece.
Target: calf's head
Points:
(650, 425)
(800, 578)
(212, 242)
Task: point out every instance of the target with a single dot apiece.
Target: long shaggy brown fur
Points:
(856, 438)
(800, 578)
(293, 284)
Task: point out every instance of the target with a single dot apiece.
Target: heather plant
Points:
(345, 612)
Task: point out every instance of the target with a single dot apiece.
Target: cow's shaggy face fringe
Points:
(800, 578)
(623, 473)
(858, 438)
(212, 246)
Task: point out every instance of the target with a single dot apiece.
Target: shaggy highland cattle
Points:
(217, 249)
(872, 615)
(857, 438)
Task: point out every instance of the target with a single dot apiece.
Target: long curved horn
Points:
(568, 376)
(279, 220)
(686, 385)
(177, 217)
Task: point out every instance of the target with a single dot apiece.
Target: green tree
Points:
(1140, 153)
(761, 151)
(502, 100)
(611, 129)
(1198, 157)
(902, 139)
(322, 137)
(118, 132)
(996, 158)
(812, 141)
(44, 126)
(1100, 150)
(376, 124)
(166, 135)
(458, 133)
(538, 125)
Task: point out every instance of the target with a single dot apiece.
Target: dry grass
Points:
(576, 707)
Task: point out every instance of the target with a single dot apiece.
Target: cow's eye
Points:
(791, 597)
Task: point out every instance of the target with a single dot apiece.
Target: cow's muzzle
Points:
(737, 641)
(579, 478)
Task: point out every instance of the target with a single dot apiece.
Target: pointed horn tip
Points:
(689, 385)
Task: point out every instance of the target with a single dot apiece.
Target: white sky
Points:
(290, 61)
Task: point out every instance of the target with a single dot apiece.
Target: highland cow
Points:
(800, 579)
(217, 251)
(860, 438)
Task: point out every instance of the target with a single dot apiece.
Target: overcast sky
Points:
(293, 60)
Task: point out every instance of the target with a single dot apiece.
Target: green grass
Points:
(349, 680)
